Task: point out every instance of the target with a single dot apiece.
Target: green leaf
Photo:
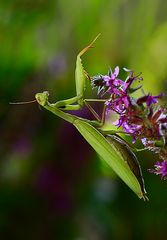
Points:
(111, 155)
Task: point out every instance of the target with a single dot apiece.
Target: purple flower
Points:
(152, 99)
(160, 169)
(119, 103)
(112, 82)
(112, 78)
(130, 79)
(131, 126)
(149, 99)
(141, 117)
(107, 83)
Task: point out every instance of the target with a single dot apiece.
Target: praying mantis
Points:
(110, 147)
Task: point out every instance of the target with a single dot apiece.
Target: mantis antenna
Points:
(22, 103)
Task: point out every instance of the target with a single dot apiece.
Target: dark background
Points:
(52, 184)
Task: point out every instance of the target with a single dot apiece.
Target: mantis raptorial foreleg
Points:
(77, 102)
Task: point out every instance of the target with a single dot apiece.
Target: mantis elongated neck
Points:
(66, 116)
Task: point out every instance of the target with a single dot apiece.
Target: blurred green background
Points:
(52, 184)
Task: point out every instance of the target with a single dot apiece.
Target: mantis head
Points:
(42, 98)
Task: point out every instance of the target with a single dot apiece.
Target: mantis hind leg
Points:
(91, 109)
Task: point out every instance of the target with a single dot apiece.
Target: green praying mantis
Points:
(108, 145)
